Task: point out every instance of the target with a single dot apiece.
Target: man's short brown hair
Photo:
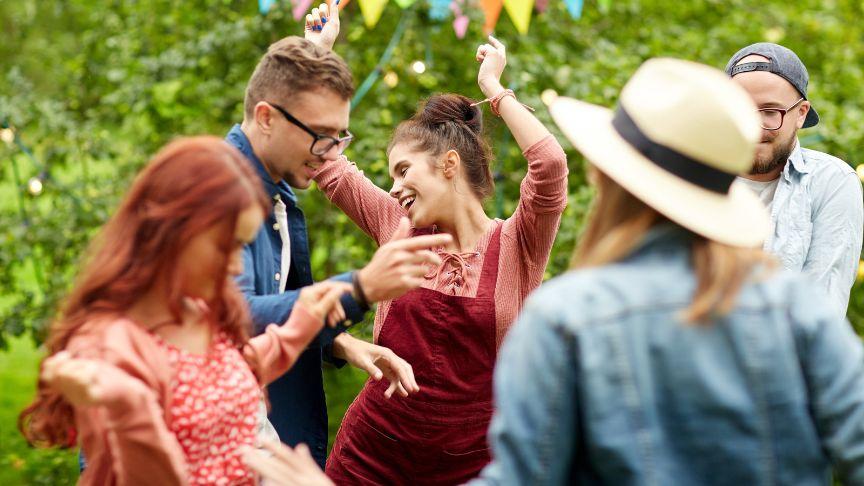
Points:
(294, 65)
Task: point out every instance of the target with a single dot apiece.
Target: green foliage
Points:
(95, 87)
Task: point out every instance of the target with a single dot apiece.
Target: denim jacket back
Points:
(601, 382)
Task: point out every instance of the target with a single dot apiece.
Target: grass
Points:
(20, 463)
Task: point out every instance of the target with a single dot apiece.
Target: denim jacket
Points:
(818, 219)
(600, 382)
(298, 407)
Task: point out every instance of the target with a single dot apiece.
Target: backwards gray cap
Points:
(782, 62)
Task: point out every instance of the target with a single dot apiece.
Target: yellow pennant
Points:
(520, 13)
(371, 10)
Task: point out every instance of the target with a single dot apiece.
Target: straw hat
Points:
(681, 133)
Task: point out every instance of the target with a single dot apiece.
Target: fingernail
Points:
(337, 2)
(324, 21)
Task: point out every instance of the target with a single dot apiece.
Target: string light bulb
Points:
(34, 186)
(7, 135)
(419, 67)
(391, 79)
(548, 96)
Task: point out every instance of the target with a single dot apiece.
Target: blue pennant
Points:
(575, 8)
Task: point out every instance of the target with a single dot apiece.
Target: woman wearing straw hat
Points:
(673, 354)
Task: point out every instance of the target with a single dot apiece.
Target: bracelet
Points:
(359, 295)
(496, 100)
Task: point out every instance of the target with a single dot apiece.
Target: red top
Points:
(214, 403)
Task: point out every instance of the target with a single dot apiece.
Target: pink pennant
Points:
(460, 25)
(300, 8)
(541, 5)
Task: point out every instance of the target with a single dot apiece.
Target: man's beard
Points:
(777, 158)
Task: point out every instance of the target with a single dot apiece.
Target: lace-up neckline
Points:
(460, 263)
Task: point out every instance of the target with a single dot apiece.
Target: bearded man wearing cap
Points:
(814, 199)
(676, 352)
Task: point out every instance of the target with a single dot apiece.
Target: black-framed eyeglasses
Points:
(772, 118)
(321, 144)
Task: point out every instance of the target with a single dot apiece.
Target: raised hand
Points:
(492, 58)
(323, 300)
(399, 265)
(322, 25)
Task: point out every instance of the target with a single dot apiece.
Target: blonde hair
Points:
(616, 225)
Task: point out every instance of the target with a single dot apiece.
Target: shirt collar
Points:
(280, 190)
(796, 159)
(660, 237)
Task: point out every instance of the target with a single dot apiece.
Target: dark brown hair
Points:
(169, 203)
(445, 122)
(294, 65)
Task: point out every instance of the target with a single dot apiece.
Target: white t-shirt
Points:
(765, 190)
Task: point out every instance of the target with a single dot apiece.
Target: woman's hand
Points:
(322, 25)
(76, 379)
(323, 300)
(492, 58)
(286, 467)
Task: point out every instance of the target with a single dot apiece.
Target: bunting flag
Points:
(371, 11)
(575, 8)
(492, 10)
(264, 6)
(439, 9)
(301, 8)
(520, 13)
(460, 23)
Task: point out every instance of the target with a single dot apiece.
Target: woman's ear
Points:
(451, 163)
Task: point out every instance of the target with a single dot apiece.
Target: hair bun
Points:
(445, 108)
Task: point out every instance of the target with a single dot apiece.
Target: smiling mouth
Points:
(407, 202)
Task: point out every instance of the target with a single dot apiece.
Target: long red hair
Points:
(191, 185)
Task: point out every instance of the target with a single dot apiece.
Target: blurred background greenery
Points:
(93, 88)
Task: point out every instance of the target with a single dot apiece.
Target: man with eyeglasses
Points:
(815, 199)
(295, 118)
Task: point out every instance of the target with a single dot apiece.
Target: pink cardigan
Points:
(129, 441)
(526, 236)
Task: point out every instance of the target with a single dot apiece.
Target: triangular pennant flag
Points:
(492, 10)
(439, 9)
(264, 6)
(460, 25)
(540, 5)
(405, 3)
(520, 13)
(372, 10)
(301, 7)
(575, 8)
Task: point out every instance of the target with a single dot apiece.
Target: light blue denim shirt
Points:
(818, 219)
(600, 382)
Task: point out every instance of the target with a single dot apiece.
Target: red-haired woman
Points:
(151, 367)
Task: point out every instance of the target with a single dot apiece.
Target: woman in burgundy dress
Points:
(449, 330)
